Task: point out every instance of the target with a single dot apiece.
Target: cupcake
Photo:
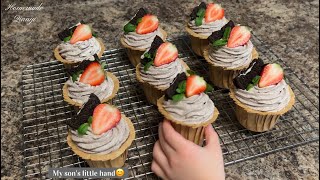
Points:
(89, 77)
(204, 20)
(139, 33)
(229, 52)
(158, 68)
(100, 134)
(79, 43)
(188, 107)
(261, 96)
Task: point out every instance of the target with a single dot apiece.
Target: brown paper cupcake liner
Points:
(192, 132)
(134, 54)
(113, 159)
(151, 92)
(198, 42)
(259, 121)
(68, 64)
(223, 77)
(77, 105)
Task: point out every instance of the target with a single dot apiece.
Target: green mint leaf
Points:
(147, 66)
(147, 55)
(226, 33)
(76, 75)
(178, 91)
(103, 65)
(250, 86)
(90, 120)
(139, 20)
(177, 97)
(82, 130)
(190, 72)
(66, 39)
(198, 21)
(94, 34)
(255, 80)
(201, 12)
(182, 86)
(129, 28)
(219, 43)
(209, 88)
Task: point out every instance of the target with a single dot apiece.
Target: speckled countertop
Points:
(291, 28)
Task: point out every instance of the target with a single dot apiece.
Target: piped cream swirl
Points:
(206, 29)
(141, 41)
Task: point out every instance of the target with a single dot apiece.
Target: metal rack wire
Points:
(44, 114)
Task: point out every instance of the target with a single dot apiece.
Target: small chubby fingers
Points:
(167, 149)
(212, 138)
(159, 156)
(157, 170)
(172, 137)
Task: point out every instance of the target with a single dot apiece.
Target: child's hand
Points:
(175, 158)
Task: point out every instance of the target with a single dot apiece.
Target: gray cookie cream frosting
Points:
(80, 92)
(162, 76)
(268, 99)
(141, 41)
(231, 57)
(79, 51)
(206, 29)
(102, 144)
(194, 109)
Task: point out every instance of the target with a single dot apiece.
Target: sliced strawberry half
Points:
(93, 74)
(271, 74)
(105, 117)
(166, 53)
(81, 33)
(213, 12)
(148, 24)
(239, 36)
(195, 85)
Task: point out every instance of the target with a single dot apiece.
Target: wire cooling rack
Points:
(45, 113)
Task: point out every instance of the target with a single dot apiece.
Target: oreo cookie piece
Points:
(195, 10)
(67, 32)
(141, 12)
(219, 34)
(171, 91)
(85, 112)
(157, 41)
(245, 77)
(82, 66)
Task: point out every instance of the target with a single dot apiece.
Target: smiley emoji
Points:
(119, 172)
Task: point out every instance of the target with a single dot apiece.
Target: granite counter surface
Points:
(290, 28)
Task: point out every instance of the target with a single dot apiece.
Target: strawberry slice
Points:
(195, 85)
(166, 53)
(105, 117)
(93, 74)
(239, 36)
(271, 74)
(148, 24)
(213, 12)
(81, 33)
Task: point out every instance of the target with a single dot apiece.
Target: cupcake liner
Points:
(193, 132)
(113, 159)
(152, 92)
(259, 121)
(67, 64)
(134, 54)
(223, 77)
(198, 42)
(78, 105)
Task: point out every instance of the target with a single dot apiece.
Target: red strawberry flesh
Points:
(148, 24)
(93, 74)
(195, 85)
(105, 117)
(239, 36)
(213, 12)
(271, 74)
(166, 53)
(81, 33)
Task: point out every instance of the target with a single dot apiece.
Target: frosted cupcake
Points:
(139, 33)
(204, 19)
(100, 134)
(158, 68)
(79, 44)
(187, 106)
(261, 96)
(229, 52)
(89, 77)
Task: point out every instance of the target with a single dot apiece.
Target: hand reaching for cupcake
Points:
(174, 157)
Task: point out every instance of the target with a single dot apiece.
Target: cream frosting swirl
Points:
(80, 92)
(231, 57)
(79, 51)
(141, 41)
(162, 76)
(206, 29)
(194, 109)
(102, 144)
(268, 99)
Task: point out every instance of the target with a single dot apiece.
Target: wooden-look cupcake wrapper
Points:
(134, 54)
(113, 159)
(223, 77)
(151, 92)
(198, 42)
(259, 121)
(68, 64)
(78, 105)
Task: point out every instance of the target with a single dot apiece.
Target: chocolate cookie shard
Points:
(141, 12)
(68, 32)
(245, 77)
(195, 10)
(85, 112)
(219, 34)
(157, 41)
(81, 67)
(171, 91)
